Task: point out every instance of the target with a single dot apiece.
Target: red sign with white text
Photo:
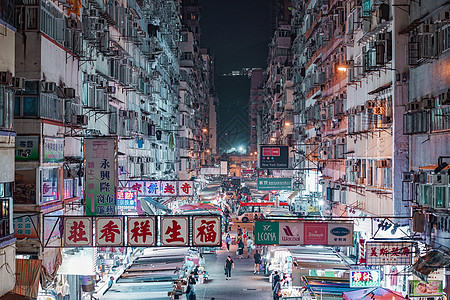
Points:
(315, 233)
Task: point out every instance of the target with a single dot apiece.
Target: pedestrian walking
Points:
(190, 294)
(249, 246)
(277, 291)
(240, 244)
(228, 241)
(196, 272)
(239, 231)
(229, 264)
(191, 280)
(257, 258)
(275, 278)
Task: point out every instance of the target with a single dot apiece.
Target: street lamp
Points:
(287, 124)
(344, 67)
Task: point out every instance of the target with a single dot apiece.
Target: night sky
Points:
(237, 33)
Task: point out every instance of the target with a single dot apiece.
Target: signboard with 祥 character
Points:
(388, 253)
(141, 232)
(109, 231)
(206, 231)
(77, 231)
(185, 188)
(174, 231)
(365, 278)
(169, 188)
(100, 176)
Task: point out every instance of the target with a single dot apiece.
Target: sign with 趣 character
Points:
(109, 231)
(77, 231)
(174, 231)
(169, 188)
(100, 176)
(185, 188)
(141, 232)
(388, 253)
(206, 231)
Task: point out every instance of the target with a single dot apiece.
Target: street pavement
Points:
(242, 285)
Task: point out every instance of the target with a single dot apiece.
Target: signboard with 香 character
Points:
(108, 231)
(77, 231)
(174, 231)
(206, 231)
(141, 232)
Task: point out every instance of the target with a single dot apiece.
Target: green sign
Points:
(366, 8)
(27, 148)
(266, 233)
(53, 149)
(270, 184)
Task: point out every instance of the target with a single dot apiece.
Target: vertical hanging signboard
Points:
(101, 169)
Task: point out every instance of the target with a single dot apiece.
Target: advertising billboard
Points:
(419, 288)
(388, 253)
(365, 278)
(273, 157)
(274, 184)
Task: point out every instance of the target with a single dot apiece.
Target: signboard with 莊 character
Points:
(388, 253)
(109, 231)
(206, 231)
(365, 278)
(100, 176)
(77, 231)
(174, 231)
(141, 231)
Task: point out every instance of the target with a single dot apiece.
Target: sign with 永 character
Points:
(109, 231)
(100, 176)
(206, 231)
(77, 231)
(141, 231)
(174, 231)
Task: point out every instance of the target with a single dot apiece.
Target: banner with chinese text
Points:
(137, 231)
(388, 253)
(160, 188)
(100, 176)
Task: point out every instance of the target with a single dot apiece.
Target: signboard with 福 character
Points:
(174, 231)
(77, 231)
(100, 177)
(141, 231)
(109, 231)
(206, 231)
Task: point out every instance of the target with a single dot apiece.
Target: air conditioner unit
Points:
(48, 87)
(360, 108)
(384, 163)
(412, 106)
(110, 89)
(69, 93)
(93, 13)
(425, 195)
(444, 98)
(6, 78)
(82, 120)
(19, 83)
(437, 179)
(371, 104)
(407, 176)
(429, 103)
(419, 178)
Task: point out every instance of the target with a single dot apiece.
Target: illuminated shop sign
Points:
(365, 278)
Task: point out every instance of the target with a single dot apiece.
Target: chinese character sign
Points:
(109, 231)
(388, 253)
(152, 188)
(169, 188)
(101, 170)
(206, 231)
(185, 188)
(126, 202)
(174, 231)
(77, 231)
(365, 278)
(141, 232)
(27, 148)
(53, 149)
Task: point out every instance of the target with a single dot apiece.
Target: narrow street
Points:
(243, 284)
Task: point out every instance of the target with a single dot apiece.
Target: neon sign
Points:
(365, 278)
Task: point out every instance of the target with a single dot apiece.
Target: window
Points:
(6, 108)
(30, 106)
(4, 217)
(446, 38)
(416, 122)
(387, 177)
(440, 119)
(49, 185)
(440, 197)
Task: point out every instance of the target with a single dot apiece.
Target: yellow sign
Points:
(312, 209)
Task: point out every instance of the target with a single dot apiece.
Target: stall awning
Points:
(293, 195)
(433, 167)
(372, 293)
(150, 201)
(27, 277)
(429, 263)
